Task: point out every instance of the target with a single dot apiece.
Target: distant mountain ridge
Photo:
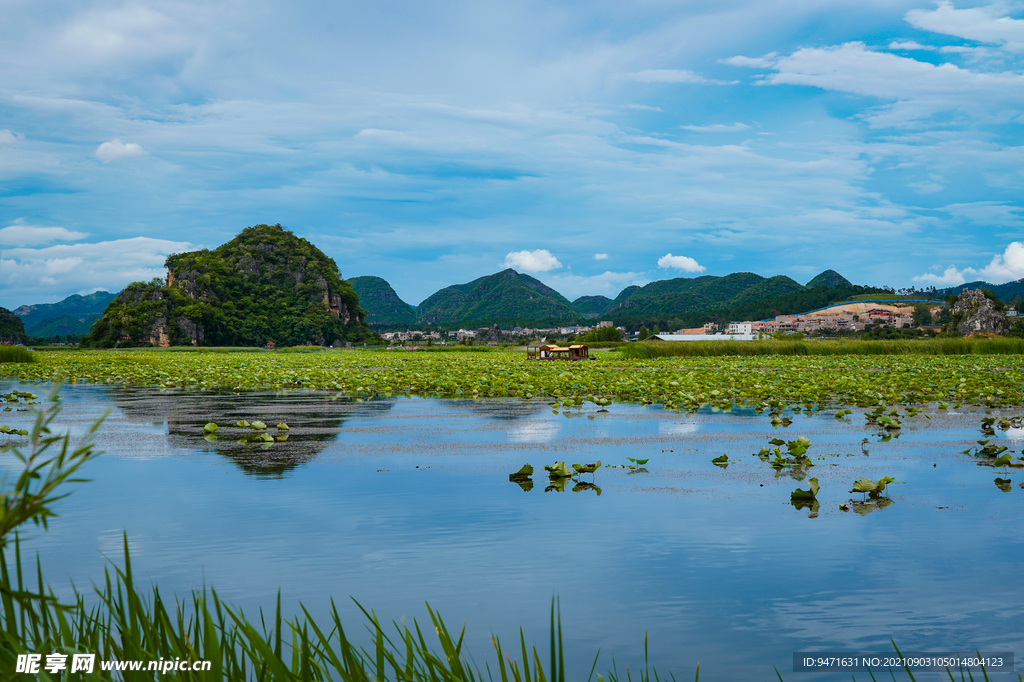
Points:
(74, 315)
(504, 298)
(591, 306)
(1005, 292)
(382, 305)
(507, 298)
(510, 298)
(689, 295)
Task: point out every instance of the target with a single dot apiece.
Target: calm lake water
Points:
(400, 501)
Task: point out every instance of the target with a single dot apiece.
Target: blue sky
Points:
(594, 145)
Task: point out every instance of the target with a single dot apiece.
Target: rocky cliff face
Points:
(976, 313)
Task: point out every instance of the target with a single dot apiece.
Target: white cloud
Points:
(7, 137)
(116, 149)
(983, 24)
(540, 260)
(950, 278)
(989, 213)
(19, 234)
(51, 273)
(671, 76)
(641, 107)
(751, 62)
(684, 263)
(718, 128)
(1005, 267)
(916, 89)
(600, 256)
(908, 45)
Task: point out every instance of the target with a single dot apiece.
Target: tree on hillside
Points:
(599, 335)
(922, 314)
(643, 333)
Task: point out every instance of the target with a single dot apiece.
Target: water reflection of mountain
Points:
(313, 420)
(501, 409)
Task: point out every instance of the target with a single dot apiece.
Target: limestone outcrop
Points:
(976, 313)
(265, 285)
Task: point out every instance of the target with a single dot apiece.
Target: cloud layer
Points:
(19, 234)
(51, 273)
(1005, 267)
(429, 146)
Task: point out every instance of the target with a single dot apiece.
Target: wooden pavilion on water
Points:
(550, 352)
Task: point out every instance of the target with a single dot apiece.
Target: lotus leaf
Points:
(282, 427)
(557, 470)
(242, 423)
(811, 494)
(525, 470)
(210, 428)
(1004, 484)
(259, 426)
(766, 382)
(873, 488)
(720, 460)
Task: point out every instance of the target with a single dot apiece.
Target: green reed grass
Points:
(938, 346)
(16, 354)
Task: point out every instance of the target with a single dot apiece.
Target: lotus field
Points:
(765, 382)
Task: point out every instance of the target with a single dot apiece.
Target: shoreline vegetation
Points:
(128, 625)
(931, 346)
(953, 372)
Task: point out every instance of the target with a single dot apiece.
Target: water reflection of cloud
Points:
(1015, 434)
(533, 431)
(677, 428)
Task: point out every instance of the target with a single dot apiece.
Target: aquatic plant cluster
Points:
(769, 382)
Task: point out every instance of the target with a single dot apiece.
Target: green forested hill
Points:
(382, 305)
(799, 301)
(591, 306)
(506, 298)
(11, 328)
(65, 325)
(265, 285)
(688, 295)
(829, 278)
